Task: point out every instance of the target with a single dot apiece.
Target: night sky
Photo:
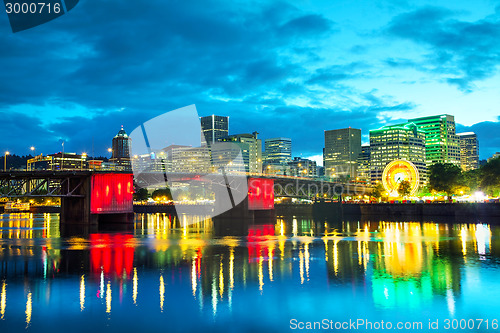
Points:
(291, 69)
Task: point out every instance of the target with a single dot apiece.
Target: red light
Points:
(260, 194)
(114, 199)
(111, 253)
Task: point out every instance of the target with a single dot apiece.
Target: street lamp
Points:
(28, 166)
(110, 150)
(5, 161)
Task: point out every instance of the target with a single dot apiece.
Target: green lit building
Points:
(397, 142)
(442, 145)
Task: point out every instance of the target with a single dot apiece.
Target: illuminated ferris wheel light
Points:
(397, 171)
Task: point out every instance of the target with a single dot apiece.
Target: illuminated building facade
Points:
(67, 161)
(342, 148)
(214, 128)
(251, 149)
(441, 142)
(363, 173)
(397, 142)
(278, 150)
(302, 167)
(469, 151)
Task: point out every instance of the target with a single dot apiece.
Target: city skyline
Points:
(284, 69)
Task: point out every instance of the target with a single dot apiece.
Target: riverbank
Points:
(390, 210)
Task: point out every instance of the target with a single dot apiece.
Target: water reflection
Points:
(380, 266)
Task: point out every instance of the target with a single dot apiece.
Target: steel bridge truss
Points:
(41, 185)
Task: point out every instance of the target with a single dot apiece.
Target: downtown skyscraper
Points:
(342, 148)
(441, 142)
(469, 151)
(214, 128)
(278, 151)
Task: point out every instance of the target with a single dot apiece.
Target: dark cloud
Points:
(462, 52)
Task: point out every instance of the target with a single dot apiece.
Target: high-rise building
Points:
(469, 151)
(441, 142)
(120, 151)
(397, 142)
(214, 128)
(363, 173)
(121, 145)
(278, 151)
(302, 167)
(342, 148)
(251, 148)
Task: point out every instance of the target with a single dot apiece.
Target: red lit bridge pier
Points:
(86, 197)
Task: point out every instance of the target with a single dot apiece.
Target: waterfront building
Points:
(496, 155)
(441, 142)
(278, 151)
(251, 149)
(342, 148)
(214, 128)
(188, 160)
(469, 151)
(276, 169)
(363, 171)
(67, 161)
(397, 142)
(302, 167)
(120, 151)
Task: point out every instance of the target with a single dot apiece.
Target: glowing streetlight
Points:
(5, 161)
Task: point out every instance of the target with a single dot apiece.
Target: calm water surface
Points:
(161, 274)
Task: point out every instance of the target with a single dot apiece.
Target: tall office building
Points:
(214, 128)
(121, 145)
(469, 151)
(363, 173)
(342, 148)
(441, 142)
(120, 154)
(397, 142)
(251, 148)
(278, 150)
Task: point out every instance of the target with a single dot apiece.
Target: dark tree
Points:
(404, 188)
(445, 177)
(141, 194)
(161, 193)
(490, 177)
(378, 191)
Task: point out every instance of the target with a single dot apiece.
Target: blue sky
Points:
(291, 69)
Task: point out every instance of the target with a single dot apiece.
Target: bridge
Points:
(90, 196)
(86, 196)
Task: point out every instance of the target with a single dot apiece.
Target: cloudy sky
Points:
(291, 69)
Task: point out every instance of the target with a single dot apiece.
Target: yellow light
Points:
(32, 148)
(110, 150)
(7, 153)
(28, 309)
(162, 292)
(82, 292)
